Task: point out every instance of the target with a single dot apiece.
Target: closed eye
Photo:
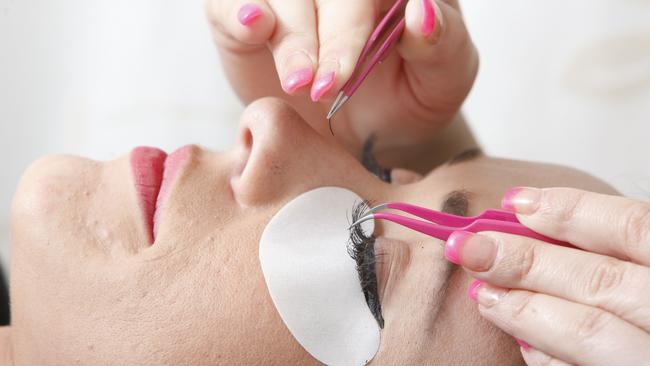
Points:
(370, 163)
(361, 247)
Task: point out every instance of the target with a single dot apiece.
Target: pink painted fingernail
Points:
(429, 21)
(297, 80)
(248, 14)
(454, 244)
(322, 85)
(488, 296)
(472, 290)
(523, 344)
(521, 200)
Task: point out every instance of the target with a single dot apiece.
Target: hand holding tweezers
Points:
(380, 42)
(441, 225)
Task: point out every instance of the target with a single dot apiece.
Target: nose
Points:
(285, 156)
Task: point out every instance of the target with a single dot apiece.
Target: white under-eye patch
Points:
(313, 280)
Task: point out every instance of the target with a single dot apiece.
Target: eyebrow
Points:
(456, 203)
(466, 155)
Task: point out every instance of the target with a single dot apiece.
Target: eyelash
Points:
(361, 248)
(370, 163)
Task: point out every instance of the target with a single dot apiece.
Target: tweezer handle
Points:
(511, 228)
(447, 219)
(387, 32)
(443, 232)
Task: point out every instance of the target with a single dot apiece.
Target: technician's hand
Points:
(308, 49)
(589, 307)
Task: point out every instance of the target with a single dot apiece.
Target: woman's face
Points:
(89, 287)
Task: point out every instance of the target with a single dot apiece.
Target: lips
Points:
(153, 173)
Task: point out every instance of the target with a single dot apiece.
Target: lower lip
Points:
(154, 172)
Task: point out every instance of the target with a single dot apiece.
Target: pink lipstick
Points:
(153, 173)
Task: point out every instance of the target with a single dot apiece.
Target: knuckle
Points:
(562, 207)
(591, 323)
(522, 306)
(606, 277)
(636, 227)
(292, 38)
(527, 262)
(353, 37)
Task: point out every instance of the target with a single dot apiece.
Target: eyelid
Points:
(395, 260)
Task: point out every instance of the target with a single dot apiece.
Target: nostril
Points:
(270, 137)
(243, 152)
(246, 139)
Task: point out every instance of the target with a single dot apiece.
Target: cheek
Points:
(475, 340)
(205, 303)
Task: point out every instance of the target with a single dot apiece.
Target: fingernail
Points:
(322, 85)
(474, 252)
(489, 296)
(248, 13)
(523, 344)
(454, 243)
(472, 290)
(429, 20)
(522, 200)
(478, 253)
(297, 80)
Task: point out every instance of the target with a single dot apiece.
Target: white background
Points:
(560, 81)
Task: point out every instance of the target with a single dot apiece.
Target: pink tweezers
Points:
(381, 40)
(440, 225)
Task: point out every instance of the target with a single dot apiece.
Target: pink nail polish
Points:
(508, 201)
(521, 200)
(321, 86)
(297, 80)
(472, 290)
(248, 13)
(454, 244)
(523, 344)
(429, 21)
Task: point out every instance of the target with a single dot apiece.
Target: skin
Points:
(88, 289)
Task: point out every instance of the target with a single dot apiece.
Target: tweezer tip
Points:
(338, 103)
(331, 113)
(377, 208)
(362, 220)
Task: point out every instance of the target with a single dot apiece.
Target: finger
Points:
(343, 29)
(241, 24)
(440, 59)
(610, 225)
(535, 357)
(294, 43)
(576, 333)
(512, 261)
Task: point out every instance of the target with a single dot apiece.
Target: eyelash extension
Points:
(361, 248)
(370, 163)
